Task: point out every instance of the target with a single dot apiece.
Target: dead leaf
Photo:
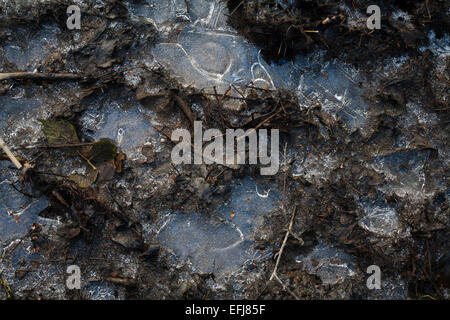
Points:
(59, 132)
(119, 161)
(84, 181)
(106, 171)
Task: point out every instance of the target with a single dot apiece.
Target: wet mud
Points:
(364, 156)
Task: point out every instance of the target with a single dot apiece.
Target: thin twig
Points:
(280, 252)
(286, 288)
(9, 154)
(56, 146)
(234, 10)
(186, 109)
(40, 76)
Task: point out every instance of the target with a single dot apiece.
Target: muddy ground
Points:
(364, 171)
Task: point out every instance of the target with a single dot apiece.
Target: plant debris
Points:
(363, 177)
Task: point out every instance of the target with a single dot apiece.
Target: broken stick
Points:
(9, 154)
(40, 76)
(186, 109)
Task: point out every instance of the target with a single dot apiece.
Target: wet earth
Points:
(363, 179)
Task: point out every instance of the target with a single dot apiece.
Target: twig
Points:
(259, 125)
(120, 281)
(219, 104)
(428, 9)
(280, 252)
(234, 10)
(186, 109)
(286, 288)
(352, 187)
(88, 161)
(7, 288)
(56, 146)
(40, 76)
(221, 95)
(9, 154)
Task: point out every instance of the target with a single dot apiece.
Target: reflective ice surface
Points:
(331, 264)
(314, 168)
(336, 87)
(40, 45)
(222, 242)
(405, 172)
(22, 111)
(207, 54)
(197, 47)
(383, 220)
(18, 210)
(124, 122)
(208, 59)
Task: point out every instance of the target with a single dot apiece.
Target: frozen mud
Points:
(18, 208)
(40, 45)
(225, 244)
(206, 56)
(123, 122)
(366, 165)
(331, 265)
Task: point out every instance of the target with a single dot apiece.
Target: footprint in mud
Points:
(223, 242)
(128, 127)
(212, 58)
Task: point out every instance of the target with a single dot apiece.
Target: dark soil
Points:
(100, 226)
(304, 26)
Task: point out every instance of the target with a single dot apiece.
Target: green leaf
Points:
(102, 151)
(59, 132)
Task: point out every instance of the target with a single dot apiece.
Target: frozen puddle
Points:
(331, 265)
(124, 122)
(222, 241)
(23, 112)
(157, 11)
(207, 53)
(210, 59)
(336, 87)
(405, 171)
(314, 168)
(40, 45)
(17, 211)
(382, 219)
